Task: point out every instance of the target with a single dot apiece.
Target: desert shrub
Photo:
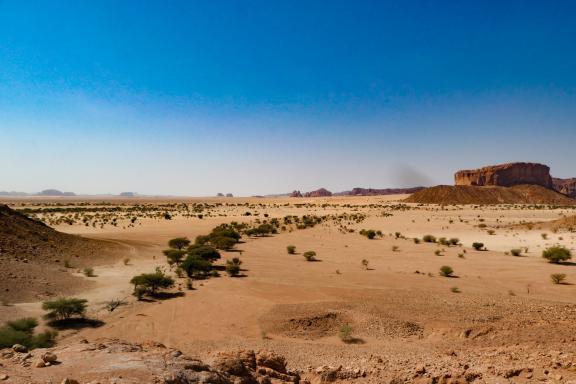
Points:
(369, 233)
(310, 255)
(345, 333)
(65, 308)
(21, 331)
(544, 236)
(455, 290)
(365, 263)
(558, 278)
(67, 264)
(438, 252)
(88, 272)
(291, 249)
(446, 271)
(443, 241)
(416, 240)
(491, 231)
(515, 252)
(395, 248)
(179, 243)
(126, 261)
(429, 239)
(454, 241)
(233, 267)
(150, 283)
(557, 254)
(113, 304)
(478, 246)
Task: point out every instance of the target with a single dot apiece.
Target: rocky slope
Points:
(378, 192)
(32, 257)
(565, 186)
(506, 175)
(465, 194)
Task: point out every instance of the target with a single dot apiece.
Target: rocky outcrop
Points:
(322, 192)
(506, 175)
(565, 186)
(378, 192)
(295, 194)
(151, 362)
(467, 194)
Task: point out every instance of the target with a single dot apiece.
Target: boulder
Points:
(19, 348)
(49, 357)
(506, 175)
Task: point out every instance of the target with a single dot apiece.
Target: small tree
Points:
(291, 249)
(446, 271)
(194, 264)
(150, 283)
(310, 255)
(174, 256)
(65, 308)
(205, 252)
(557, 254)
(179, 243)
(558, 278)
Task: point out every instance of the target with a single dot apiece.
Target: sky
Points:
(260, 97)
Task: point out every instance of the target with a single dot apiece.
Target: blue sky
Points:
(257, 97)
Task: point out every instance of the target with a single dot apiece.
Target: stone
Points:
(506, 175)
(19, 348)
(69, 381)
(39, 363)
(49, 357)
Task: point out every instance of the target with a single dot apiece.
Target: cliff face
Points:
(506, 175)
(565, 186)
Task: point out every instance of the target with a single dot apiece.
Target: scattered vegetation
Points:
(310, 255)
(65, 308)
(291, 249)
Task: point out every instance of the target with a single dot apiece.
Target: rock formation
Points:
(322, 192)
(506, 175)
(295, 194)
(378, 192)
(565, 186)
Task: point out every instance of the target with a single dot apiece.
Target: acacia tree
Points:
(65, 308)
(179, 243)
(150, 283)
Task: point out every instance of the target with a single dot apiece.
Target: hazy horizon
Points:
(255, 97)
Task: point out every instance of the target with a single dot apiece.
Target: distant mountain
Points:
(13, 193)
(54, 192)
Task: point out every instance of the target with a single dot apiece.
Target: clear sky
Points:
(257, 97)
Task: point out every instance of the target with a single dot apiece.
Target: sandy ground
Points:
(400, 309)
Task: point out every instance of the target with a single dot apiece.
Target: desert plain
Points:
(366, 310)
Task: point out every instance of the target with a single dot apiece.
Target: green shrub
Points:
(446, 271)
(310, 255)
(291, 249)
(557, 254)
(345, 333)
(516, 252)
(233, 267)
(21, 331)
(558, 278)
(478, 246)
(205, 252)
(65, 308)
